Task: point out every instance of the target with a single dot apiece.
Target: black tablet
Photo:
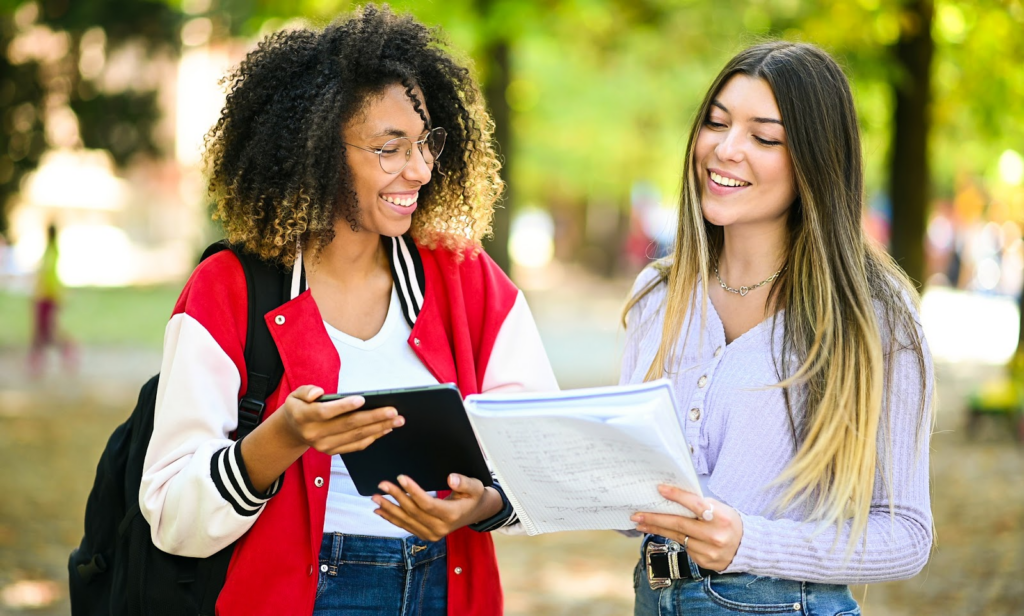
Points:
(436, 440)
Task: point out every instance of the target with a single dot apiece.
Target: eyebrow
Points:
(389, 132)
(758, 120)
(395, 132)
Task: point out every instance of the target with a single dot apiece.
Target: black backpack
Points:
(117, 571)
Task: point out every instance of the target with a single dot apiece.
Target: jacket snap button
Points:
(319, 482)
(416, 341)
(458, 570)
(323, 568)
(279, 319)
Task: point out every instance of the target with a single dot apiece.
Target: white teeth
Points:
(402, 201)
(724, 181)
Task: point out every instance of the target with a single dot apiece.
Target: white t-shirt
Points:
(385, 361)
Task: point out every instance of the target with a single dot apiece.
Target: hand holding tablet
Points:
(436, 441)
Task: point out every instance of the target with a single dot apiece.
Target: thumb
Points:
(308, 393)
(464, 485)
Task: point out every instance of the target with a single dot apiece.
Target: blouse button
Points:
(319, 482)
(694, 416)
(718, 352)
(702, 381)
(279, 319)
(692, 450)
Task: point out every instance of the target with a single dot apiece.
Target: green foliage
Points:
(21, 122)
(153, 22)
(113, 122)
(602, 91)
(121, 120)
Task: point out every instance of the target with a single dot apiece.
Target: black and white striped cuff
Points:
(506, 517)
(232, 480)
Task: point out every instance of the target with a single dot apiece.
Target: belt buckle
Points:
(656, 583)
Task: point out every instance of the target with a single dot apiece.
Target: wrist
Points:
(284, 426)
(490, 505)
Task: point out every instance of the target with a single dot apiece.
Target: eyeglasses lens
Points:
(395, 154)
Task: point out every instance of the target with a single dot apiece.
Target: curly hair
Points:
(276, 160)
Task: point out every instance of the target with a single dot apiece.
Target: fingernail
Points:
(402, 479)
(453, 480)
(388, 431)
(636, 517)
(383, 486)
(399, 421)
(641, 528)
(391, 413)
(664, 489)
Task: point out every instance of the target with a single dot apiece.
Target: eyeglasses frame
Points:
(419, 144)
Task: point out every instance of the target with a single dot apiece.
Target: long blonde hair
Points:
(838, 290)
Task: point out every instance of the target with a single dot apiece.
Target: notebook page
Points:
(585, 463)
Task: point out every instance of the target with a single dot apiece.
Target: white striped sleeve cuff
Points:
(232, 480)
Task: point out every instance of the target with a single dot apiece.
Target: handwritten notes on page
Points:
(585, 459)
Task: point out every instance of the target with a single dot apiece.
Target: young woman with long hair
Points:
(804, 380)
(359, 159)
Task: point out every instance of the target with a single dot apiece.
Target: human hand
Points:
(335, 426)
(431, 519)
(712, 544)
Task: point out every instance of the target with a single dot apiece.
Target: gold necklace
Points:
(742, 291)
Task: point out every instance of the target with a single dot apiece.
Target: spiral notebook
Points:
(585, 459)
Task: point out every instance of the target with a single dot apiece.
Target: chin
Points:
(395, 229)
(716, 216)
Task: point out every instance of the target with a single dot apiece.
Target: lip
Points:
(718, 189)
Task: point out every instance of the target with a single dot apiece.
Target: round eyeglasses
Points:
(395, 154)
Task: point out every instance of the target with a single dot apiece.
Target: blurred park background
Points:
(104, 104)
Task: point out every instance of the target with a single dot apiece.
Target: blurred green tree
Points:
(22, 127)
(57, 56)
(591, 96)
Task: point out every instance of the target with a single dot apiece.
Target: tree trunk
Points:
(499, 75)
(908, 169)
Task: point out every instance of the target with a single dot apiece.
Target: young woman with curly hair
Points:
(358, 158)
(796, 350)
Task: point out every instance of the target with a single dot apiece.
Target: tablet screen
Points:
(436, 440)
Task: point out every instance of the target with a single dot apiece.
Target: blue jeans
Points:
(715, 594)
(381, 576)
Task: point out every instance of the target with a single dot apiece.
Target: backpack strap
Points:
(267, 285)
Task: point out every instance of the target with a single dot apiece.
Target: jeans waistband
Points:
(339, 548)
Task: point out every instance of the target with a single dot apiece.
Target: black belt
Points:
(666, 562)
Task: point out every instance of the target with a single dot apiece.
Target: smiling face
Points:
(742, 158)
(385, 202)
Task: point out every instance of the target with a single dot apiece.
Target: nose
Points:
(417, 170)
(730, 146)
